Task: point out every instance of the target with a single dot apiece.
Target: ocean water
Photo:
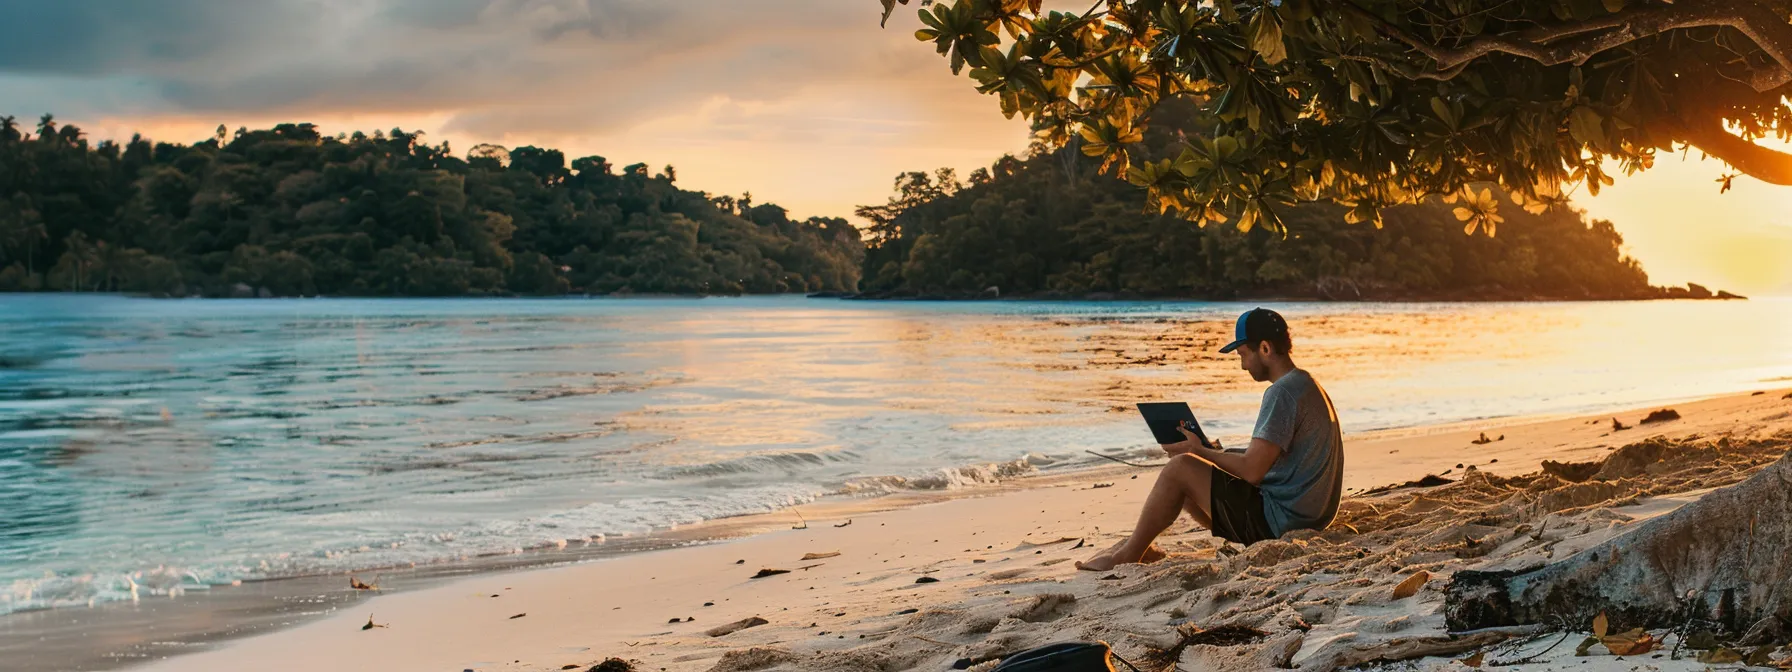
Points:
(159, 447)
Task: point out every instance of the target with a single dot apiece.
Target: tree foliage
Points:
(1052, 224)
(288, 211)
(1376, 103)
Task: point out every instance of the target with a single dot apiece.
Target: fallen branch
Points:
(1116, 459)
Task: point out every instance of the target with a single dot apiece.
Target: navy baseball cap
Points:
(1257, 324)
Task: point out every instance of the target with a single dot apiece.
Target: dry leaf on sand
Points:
(819, 556)
(1629, 643)
(1474, 660)
(1586, 646)
(1411, 585)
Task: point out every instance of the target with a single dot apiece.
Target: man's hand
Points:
(1188, 445)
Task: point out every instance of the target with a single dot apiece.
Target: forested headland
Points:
(288, 211)
(1052, 225)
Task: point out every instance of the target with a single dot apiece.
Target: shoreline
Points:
(1427, 449)
(1690, 292)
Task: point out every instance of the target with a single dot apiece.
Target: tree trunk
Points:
(1726, 557)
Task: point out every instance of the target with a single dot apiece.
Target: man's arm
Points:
(1249, 466)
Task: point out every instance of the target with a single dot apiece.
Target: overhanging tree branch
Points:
(1658, 73)
(1707, 133)
(1549, 44)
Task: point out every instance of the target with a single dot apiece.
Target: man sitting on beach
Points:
(1289, 479)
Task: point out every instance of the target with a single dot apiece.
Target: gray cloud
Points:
(99, 37)
(494, 66)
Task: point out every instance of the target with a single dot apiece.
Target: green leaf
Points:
(1443, 112)
(1227, 9)
(1189, 163)
(936, 22)
(1266, 36)
(1584, 123)
(1224, 146)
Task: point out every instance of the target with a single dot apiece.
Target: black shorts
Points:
(1238, 510)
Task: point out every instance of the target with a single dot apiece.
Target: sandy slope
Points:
(1005, 580)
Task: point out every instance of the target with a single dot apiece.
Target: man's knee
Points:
(1188, 465)
(1185, 461)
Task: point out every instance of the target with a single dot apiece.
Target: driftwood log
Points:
(1725, 558)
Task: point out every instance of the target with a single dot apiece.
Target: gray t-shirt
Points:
(1302, 488)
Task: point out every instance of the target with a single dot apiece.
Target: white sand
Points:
(1004, 581)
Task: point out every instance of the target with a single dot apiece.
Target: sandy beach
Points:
(968, 580)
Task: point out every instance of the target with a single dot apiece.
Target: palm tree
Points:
(12, 230)
(46, 127)
(110, 262)
(81, 255)
(9, 129)
(20, 225)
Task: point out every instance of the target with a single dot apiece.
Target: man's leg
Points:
(1183, 484)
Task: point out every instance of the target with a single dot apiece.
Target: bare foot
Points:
(1110, 559)
(1102, 561)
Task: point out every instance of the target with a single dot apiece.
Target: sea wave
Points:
(769, 463)
(590, 524)
(951, 478)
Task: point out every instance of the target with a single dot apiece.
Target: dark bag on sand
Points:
(1063, 657)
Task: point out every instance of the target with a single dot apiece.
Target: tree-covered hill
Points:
(289, 212)
(1052, 225)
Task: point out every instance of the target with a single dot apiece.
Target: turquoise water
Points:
(158, 447)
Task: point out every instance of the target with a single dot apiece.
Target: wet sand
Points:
(1003, 576)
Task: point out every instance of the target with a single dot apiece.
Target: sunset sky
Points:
(807, 104)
